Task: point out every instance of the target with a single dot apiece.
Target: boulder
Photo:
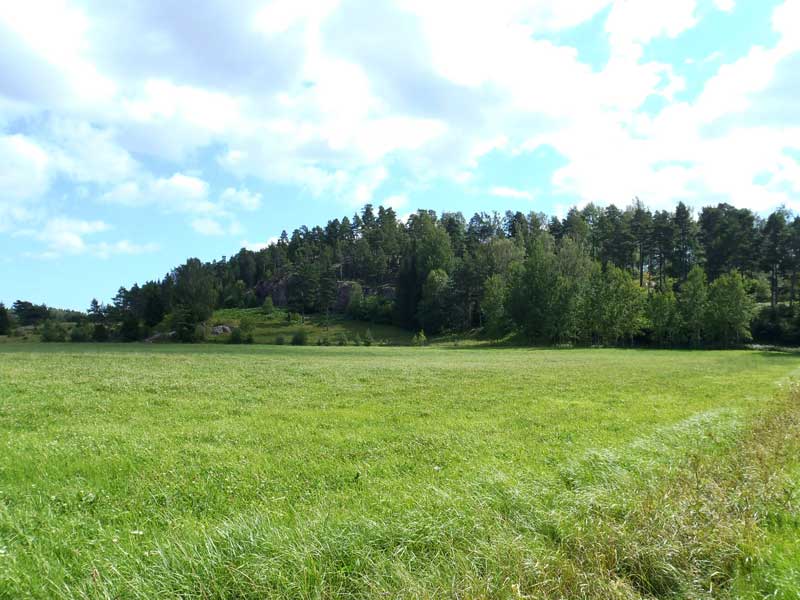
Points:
(277, 289)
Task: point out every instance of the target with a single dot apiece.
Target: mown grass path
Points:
(211, 471)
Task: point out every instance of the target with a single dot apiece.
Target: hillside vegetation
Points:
(598, 276)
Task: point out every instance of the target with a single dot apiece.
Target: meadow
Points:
(218, 471)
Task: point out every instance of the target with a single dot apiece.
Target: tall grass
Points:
(677, 515)
(326, 472)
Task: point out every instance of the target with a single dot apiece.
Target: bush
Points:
(280, 340)
(53, 331)
(240, 335)
(300, 338)
(100, 333)
(187, 330)
(341, 339)
(268, 307)
(419, 339)
(368, 339)
(357, 340)
(80, 334)
(129, 330)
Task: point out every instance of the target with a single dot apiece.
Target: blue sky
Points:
(134, 137)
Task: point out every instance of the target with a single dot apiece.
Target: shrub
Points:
(300, 338)
(100, 333)
(341, 339)
(419, 339)
(129, 330)
(280, 340)
(240, 336)
(80, 334)
(246, 328)
(368, 339)
(187, 330)
(357, 340)
(268, 307)
(53, 331)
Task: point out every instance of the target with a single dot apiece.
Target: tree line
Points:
(599, 275)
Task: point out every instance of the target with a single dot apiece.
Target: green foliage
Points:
(730, 310)
(531, 273)
(693, 306)
(53, 331)
(81, 333)
(368, 339)
(535, 293)
(280, 340)
(243, 334)
(434, 306)
(419, 339)
(615, 306)
(341, 339)
(29, 314)
(300, 338)
(129, 330)
(194, 294)
(238, 337)
(185, 326)
(663, 317)
(357, 340)
(355, 301)
(493, 305)
(100, 333)
(5, 320)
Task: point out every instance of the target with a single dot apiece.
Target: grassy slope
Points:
(217, 470)
(268, 328)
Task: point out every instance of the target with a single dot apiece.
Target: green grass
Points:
(247, 472)
(269, 327)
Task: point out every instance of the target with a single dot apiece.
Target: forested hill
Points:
(599, 275)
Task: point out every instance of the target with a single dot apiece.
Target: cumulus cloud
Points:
(243, 198)
(337, 98)
(509, 192)
(65, 236)
(25, 173)
(256, 246)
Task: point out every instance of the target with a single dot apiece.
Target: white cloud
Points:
(243, 198)
(206, 226)
(337, 98)
(257, 246)
(508, 192)
(64, 236)
(213, 227)
(396, 201)
(640, 21)
(105, 250)
(25, 168)
(86, 153)
(179, 193)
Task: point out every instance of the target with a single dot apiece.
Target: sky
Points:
(135, 135)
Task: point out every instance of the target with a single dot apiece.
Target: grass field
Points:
(217, 471)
